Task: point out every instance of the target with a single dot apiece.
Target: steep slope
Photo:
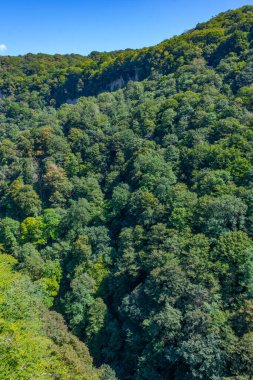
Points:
(26, 351)
(132, 210)
(48, 79)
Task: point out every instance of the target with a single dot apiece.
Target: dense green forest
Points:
(126, 210)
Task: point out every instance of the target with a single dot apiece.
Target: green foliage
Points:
(126, 200)
(28, 350)
(25, 199)
(32, 231)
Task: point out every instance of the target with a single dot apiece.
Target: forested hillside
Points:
(127, 215)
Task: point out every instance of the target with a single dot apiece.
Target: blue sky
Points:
(80, 26)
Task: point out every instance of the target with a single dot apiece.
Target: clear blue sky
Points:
(80, 26)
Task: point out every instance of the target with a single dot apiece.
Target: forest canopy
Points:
(126, 210)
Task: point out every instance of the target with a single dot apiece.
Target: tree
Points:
(25, 199)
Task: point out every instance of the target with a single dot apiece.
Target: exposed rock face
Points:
(121, 82)
(116, 84)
